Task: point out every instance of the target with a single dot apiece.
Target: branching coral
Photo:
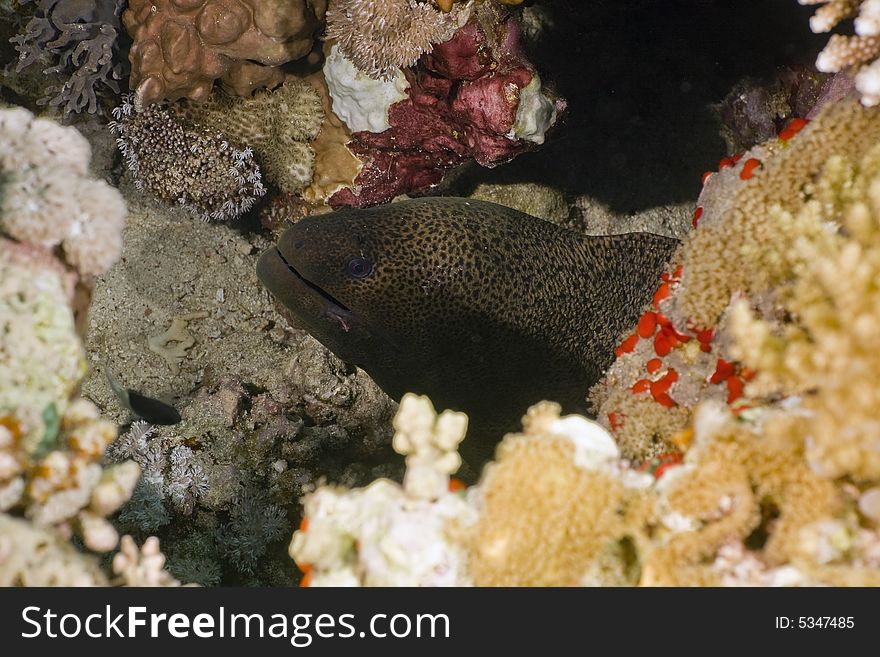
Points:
(386, 534)
(47, 197)
(860, 51)
(823, 345)
(180, 48)
(80, 39)
(381, 37)
(190, 166)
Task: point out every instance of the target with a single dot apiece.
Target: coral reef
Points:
(560, 507)
(47, 197)
(387, 534)
(381, 37)
(180, 48)
(474, 96)
(860, 51)
(52, 481)
(79, 39)
(277, 125)
(190, 166)
(755, 111)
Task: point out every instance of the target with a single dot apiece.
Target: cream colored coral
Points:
(47, 197)
(430, 443)
(388, 535)
(144, 566)
(37, 556)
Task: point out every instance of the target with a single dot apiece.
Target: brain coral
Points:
(182, 46)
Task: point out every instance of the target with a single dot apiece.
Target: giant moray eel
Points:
(485, 309)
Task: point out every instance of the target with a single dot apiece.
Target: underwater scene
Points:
(439, 293)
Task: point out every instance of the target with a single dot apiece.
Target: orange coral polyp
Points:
(749, 168)
(647, 325)
(794, 126)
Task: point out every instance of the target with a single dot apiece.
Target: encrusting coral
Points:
(473, 96)
(180, 48)
(79, 39)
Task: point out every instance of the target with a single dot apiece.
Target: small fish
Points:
(485, 309)
(146, 408)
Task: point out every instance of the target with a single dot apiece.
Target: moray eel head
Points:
(323, 284)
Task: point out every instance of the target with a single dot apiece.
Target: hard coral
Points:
(474, 96)
(182, 46)
(860, 51)
(47, 197)
(380, 37)
(387, 534)
(187, 165)
(79, 39)
(277, 125)
(557, 508)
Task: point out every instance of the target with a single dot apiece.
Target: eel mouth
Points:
(328, 298)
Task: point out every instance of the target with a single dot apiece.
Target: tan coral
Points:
(181, 46)
(277, 125)
(825, 345)
(547, 520)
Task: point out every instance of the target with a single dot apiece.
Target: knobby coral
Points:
(387, 534)
(79, 39)
(47, 197)
(181, 47)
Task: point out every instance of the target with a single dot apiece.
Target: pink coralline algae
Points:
(463, 103)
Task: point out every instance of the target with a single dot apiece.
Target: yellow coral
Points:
(548, 521)
(745, 247)
(827, 349)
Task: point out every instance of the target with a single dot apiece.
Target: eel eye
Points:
(358, 267)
